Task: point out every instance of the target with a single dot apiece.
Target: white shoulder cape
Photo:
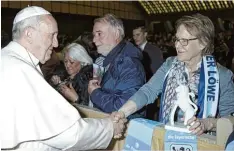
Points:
(30, 108)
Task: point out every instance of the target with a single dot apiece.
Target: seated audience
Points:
(86, 40)
(78, 65)
(210, 82)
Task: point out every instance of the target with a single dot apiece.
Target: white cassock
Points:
(34, 116)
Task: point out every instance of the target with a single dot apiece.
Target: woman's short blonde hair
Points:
(201, 27)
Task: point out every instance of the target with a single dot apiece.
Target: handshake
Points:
(119, 122)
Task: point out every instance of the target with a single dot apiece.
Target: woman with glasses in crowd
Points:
(78, 65)
(194, 67)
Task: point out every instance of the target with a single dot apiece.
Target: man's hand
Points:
(69, 92)
(93, 84)
(119, 124)
(200, 125)
(55, 79)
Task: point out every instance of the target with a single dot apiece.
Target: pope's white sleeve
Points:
(85, 134)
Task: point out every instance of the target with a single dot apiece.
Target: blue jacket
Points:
(123, 78)
(154, 87)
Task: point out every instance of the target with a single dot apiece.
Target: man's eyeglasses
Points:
(183, 41)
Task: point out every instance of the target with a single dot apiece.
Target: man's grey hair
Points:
(19, 27)
(115, 22)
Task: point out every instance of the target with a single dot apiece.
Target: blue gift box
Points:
(140, 132)
(180, 141)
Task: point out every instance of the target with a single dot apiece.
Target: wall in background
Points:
(122, 9)
(69, 24)
(227, 14)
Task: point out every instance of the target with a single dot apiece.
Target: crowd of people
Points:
(41, 86)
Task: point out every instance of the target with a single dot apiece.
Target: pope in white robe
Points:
(34, 116)
(33, 110)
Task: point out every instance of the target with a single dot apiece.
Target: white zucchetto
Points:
(28, 12)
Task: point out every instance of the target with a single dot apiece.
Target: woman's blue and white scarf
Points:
(207, 87)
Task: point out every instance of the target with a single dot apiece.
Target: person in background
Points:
(86, 40)
(78, 65)
(4, 38)
(230, 44)
(49, 67)
(152, 55)
(169, 48)
(194, 67)
(124, 73)
(152, 60)
(33, 115)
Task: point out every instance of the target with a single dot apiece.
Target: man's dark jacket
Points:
(152, 59)
(123, 78)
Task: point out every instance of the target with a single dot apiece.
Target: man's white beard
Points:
(105, 49)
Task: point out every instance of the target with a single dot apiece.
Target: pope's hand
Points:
(116, 116)
(118, 123)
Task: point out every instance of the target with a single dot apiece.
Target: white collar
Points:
(22, 52)
(142, 46)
